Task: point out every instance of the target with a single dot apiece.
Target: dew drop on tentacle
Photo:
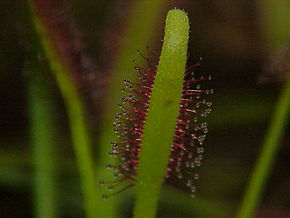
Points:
(129, 123)
(191, 131)
(188, 142)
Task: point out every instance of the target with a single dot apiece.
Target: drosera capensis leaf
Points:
(143, 20)
(162, 114)
(176, 128)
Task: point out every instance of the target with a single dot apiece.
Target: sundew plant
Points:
(127, 120)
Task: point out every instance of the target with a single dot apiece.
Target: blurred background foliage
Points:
(245, 48)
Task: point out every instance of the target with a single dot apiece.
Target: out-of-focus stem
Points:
(267, 156)
(43, 141)
(76, 113)
(275, 20)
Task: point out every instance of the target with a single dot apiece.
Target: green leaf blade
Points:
(162, 114)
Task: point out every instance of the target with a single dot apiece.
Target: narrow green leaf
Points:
(42, 131)
(162, 114)
(43, 141)
(276, 36)
(139, 32)
(267, 156)
(76, 112)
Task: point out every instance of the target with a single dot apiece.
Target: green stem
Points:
(43, 137)
(267, 156)
(43, 141)
(162, 115)
(76, 117)
(275, 35)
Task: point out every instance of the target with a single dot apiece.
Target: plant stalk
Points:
(76, 115)
(268, 154)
